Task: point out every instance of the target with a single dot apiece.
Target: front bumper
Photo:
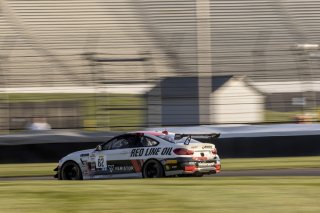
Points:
(56, 170)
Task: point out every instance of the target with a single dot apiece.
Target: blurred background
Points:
(102, 65)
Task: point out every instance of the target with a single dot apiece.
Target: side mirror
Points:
(99, 148)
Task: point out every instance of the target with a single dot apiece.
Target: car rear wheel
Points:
(71, 171)
(198, 174)
(152, 169)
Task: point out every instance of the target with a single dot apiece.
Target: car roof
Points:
(154, 133)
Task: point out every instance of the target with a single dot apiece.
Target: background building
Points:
(175, 101)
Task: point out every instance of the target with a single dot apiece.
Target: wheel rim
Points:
(152, 170)
(71, 172)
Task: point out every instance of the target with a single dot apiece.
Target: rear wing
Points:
(189, 136)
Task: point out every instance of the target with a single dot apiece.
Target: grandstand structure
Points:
(93, 43)
(47, 42)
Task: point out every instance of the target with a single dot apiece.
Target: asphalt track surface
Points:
(243, 173)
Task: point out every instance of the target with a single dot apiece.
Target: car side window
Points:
(108, 145)
(134, 141)
(146, 142)
(123, 142)
(116, 143)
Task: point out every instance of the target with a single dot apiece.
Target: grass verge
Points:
(271, 163)
(39, 169)
(263, 195)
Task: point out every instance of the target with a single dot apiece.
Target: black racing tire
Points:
(152, 169)
(70, 171)
(198, 175)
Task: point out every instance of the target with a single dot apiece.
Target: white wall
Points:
(235, 102)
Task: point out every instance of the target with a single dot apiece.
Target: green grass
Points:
(271, 163)
(27, 169)
(290, 116)
(273, 116)
(174, 195)
(39, 169)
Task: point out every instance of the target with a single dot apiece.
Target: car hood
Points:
(76, 155)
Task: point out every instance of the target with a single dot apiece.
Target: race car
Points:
(147, 154)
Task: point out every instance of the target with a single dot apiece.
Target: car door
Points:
(114, 158)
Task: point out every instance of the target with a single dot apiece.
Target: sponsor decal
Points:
(101, 161)
(171, 161)
(113, 169)
(110, 168)
(138, 152)
(92, 162)
(123, 168)
(206, 164)
(83, 161)
(200, 158)
(166, 151)
(152, 151)
(136, 165)
(171, 167)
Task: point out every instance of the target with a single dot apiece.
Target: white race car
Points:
(147, 154)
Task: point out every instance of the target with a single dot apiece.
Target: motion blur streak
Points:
(122, 65)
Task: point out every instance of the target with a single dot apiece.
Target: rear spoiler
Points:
(189, 136)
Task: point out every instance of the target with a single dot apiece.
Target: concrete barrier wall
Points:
(51, 146)
(47, 146)
(277, 146)
(40, 153)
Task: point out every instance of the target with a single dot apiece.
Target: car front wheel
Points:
(71, 171)
(152, 169)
